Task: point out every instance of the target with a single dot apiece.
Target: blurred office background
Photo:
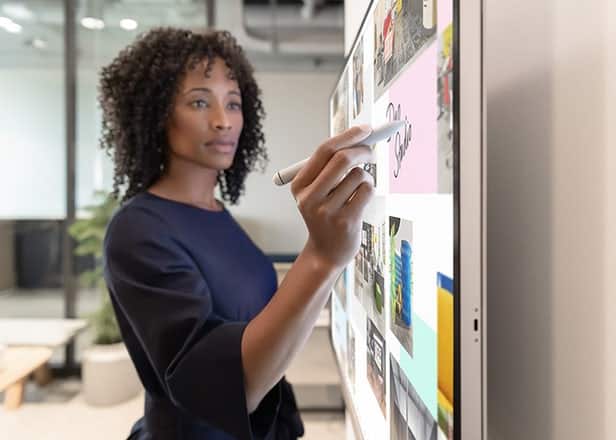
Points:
(51, 53)
(551, 94)
(296, 47)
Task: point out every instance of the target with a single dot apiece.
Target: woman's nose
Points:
(219, 119)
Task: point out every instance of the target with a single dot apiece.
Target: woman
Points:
(207, 328)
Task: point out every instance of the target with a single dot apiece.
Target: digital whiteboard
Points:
(397, 312)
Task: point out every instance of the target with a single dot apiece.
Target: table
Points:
(17, 365)
(30, 343)
(40, 332)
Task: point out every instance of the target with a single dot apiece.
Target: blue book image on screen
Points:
(397, 275)
(406, 253)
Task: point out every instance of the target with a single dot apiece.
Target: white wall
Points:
(550, 278)
(296, 124)
(609, 260)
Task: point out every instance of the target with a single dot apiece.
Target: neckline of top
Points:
(187, 205)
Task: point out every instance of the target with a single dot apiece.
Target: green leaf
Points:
(105, 324)
(88, 278)
(89, 234)
(86, 249)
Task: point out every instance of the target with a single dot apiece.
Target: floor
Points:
(58, 411)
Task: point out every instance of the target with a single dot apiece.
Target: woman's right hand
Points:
(333, 208)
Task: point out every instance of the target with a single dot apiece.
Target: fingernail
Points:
(365, 128)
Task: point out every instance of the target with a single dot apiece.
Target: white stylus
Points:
(379, 134)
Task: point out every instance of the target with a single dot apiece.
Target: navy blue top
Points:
(184, 282)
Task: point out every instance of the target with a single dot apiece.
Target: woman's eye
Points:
(235, 106)
(199, 103)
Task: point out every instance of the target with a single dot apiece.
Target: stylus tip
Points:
(277, 179)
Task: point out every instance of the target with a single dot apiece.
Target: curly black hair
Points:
(136, 93)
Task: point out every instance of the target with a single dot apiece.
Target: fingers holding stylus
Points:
(351, 183)
(340, 163)
(324, 153)
(332, 200)
(358, 203)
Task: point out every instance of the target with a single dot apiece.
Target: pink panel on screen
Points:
(445, 15)
(411, 93)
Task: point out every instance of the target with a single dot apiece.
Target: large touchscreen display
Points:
(393, 307)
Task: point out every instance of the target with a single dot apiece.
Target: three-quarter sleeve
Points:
(195, 355)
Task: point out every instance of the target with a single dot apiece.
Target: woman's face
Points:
(206, 119)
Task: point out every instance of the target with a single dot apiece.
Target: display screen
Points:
(393, 307)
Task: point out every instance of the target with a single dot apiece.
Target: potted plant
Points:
(108, 375)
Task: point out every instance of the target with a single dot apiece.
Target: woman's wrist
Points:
(318, 262)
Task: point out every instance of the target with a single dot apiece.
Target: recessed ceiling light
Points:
(18, 11)
(93, 15)
(13, 28)
(5, 21)
(39, 43)
(128, 24)
(92, 23)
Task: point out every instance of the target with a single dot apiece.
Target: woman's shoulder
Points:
(136, 220)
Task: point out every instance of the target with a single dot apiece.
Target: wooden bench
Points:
(31, 343)
(18, 363)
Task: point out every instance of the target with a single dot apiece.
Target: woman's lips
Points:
(222, 147)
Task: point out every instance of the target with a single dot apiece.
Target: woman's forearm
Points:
(275, 335)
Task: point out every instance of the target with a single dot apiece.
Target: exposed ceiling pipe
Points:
(310, 8)
(289, 16)
(231, 17)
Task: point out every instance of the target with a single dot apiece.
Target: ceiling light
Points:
(13, 28)
(4, 21)
(38, 43)
(92, 23)
(128, 24)
(18, 11)
(93, 15)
